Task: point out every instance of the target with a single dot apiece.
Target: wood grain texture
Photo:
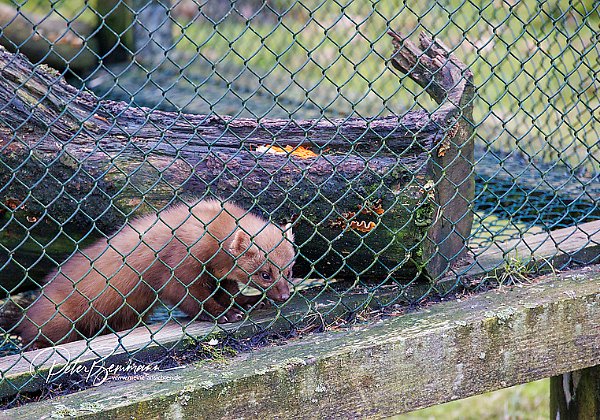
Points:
(153, 341)
(451, 350)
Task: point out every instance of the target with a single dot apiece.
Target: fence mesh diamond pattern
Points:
(164, 163)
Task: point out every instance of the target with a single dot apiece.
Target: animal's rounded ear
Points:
(241, 243)
(288, 232)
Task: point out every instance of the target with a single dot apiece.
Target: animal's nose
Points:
(280, 291)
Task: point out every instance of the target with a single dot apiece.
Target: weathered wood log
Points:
(51, 39)
(385, 197)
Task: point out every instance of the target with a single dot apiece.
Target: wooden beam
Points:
(449, 351)
(562, 247)
(115, 39)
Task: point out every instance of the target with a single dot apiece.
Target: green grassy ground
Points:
(523, 402)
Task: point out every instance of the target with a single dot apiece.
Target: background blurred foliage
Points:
(524, 402)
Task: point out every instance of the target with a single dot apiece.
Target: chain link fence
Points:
(292, 110)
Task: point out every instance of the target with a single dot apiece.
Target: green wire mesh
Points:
(536, 111)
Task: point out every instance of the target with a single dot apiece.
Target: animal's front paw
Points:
(251, 302)
(232, 315)
(258, 305)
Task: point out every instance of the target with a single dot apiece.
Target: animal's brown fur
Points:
(177, 257)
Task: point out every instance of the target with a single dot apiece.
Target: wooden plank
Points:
(449, 351)
(575, 244)
(151, 340)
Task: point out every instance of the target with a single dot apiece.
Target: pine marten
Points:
(190, 256)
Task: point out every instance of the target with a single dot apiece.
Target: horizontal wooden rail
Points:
(451, 350)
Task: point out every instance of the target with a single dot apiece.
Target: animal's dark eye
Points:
(265, 276)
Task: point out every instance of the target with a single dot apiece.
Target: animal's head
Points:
(264, 259)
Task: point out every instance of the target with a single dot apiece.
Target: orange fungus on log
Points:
(300, 151)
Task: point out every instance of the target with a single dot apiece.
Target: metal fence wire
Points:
(252, 165)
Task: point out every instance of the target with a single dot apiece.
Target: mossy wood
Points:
(385, 197)
(448, 351)
(164, 335)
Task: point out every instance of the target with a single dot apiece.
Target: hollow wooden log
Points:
(384, 198)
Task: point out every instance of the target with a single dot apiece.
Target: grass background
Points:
(525, 402)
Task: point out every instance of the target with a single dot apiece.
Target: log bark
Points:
(384, 197)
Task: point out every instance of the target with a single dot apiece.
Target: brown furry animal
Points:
(190, 256)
